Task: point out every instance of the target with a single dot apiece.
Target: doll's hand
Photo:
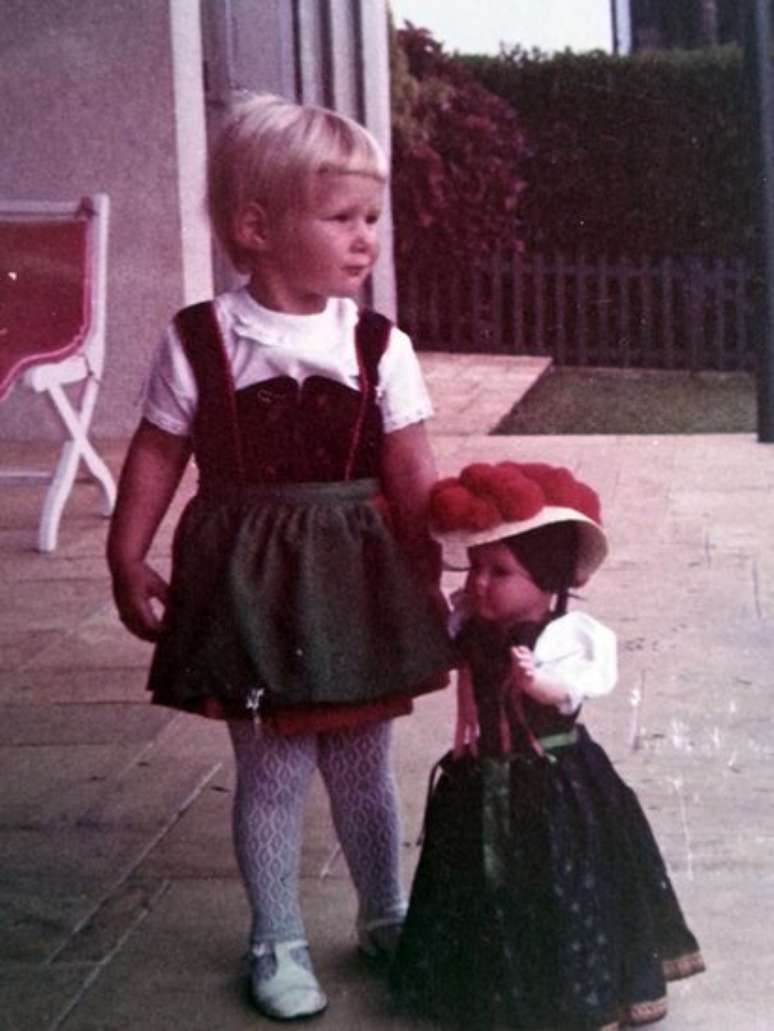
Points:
(537, 685)
(135, 589)
(523, 667)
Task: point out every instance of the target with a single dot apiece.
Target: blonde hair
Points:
(268, 152)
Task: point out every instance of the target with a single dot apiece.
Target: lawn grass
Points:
(598, 401)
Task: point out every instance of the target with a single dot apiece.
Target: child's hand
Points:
(135, 589)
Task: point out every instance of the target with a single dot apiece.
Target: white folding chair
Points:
(53, 285)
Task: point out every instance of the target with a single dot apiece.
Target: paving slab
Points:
(21, 647)
(71, 723)
(472, 392)
(150, 795)
(82, 775)
(68, 685)
(66, 600)
(182, 968)
(54, 879)
(31, 1000)
(98, 642)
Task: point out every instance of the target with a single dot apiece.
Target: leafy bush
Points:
(456, 155)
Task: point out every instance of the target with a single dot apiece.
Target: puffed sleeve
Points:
(170, 391)
(402, 394)
(581, 654)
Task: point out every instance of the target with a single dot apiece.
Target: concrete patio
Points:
(120, 903)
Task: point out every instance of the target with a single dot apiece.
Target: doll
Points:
(541, 899)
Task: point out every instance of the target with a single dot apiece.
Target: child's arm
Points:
(407, 474)
(154, 465)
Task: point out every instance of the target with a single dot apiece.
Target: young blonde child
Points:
(541, 899)
(303, 603)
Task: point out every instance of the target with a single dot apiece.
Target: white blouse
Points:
(261, 344)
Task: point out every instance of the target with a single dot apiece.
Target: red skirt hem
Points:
(312, 719)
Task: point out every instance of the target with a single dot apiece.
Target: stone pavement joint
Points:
(121, 906)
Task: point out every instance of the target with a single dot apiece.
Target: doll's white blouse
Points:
(261, 344)
(575, 650)
(580, 653)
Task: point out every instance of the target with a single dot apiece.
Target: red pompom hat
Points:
(487, 503)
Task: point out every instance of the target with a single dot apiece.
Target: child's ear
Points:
(251, 229)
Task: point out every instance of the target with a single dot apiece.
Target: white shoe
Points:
(282, 985)
(378, 939)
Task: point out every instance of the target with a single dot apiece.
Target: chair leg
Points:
(104, 478)
(94, 462)
(57, 495)
(73, 450)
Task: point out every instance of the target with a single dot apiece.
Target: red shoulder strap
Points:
(215, 431)
(371, 335)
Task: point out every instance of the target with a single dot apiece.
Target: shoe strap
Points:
(383, 921)
(266, 948)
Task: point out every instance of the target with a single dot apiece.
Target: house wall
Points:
(109, 95)
(90, 101)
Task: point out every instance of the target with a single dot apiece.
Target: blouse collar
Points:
(272, 328)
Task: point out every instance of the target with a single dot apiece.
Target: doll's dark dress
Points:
(541, 899)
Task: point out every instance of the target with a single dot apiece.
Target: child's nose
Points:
(365, 236)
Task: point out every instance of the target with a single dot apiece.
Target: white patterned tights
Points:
(273, 776)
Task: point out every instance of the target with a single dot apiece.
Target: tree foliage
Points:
(457, 150)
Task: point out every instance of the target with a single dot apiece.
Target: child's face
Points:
(328, 248)
(500, 589)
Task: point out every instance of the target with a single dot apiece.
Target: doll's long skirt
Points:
(541, 899)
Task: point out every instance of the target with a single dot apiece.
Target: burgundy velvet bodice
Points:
(302, 433)
(280, 430)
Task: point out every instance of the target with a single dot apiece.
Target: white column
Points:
(376, 114)
(191, 140)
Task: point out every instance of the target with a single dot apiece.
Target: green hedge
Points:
(650, 154)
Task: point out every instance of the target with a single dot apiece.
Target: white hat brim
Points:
(592, 541)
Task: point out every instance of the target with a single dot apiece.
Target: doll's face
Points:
(500, 589)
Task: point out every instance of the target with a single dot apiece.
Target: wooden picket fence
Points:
(672, 313)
